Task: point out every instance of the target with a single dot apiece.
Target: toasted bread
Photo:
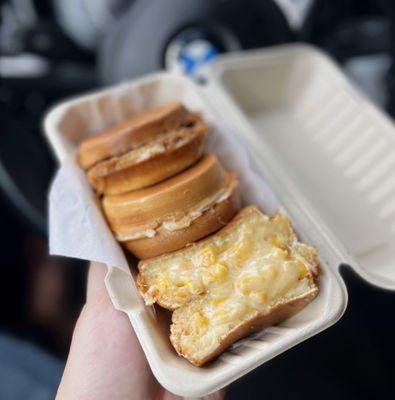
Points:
(251, 274)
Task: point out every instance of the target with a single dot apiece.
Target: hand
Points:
(106, 360)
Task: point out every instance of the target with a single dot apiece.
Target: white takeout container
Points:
(325, 150)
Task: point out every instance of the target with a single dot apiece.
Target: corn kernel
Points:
(162, 284)
(216, 272)
(241, 255)
(182, 294)
(244, 290)
(216, 301)
(201, 321)
(206, 257)
(277, 242)
(304, 271)
(219, 270)
(245, 284)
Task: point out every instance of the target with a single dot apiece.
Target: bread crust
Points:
(122, 174)
(133, 132)
(277, 314)
(166, 241)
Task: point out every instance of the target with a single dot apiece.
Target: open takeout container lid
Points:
(325, 151)
(322, 141)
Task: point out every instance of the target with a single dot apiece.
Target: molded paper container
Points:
(327, 153)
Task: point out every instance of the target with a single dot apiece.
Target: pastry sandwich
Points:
(176, 212)
(251, 274)
(143, 150)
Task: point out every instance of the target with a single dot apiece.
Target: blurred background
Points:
(52, 49)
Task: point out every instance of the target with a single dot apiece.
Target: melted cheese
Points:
(216, 285)
(255, 264)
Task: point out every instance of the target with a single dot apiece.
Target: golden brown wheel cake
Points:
(143, 150)
(251, 274)
(176, 212)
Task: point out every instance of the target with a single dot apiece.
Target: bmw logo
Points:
(191, 52)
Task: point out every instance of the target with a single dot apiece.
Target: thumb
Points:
(96, 289)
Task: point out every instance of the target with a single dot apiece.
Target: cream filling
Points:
(173, 225)
(149, 151)
(139, 155)
(144, 233)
